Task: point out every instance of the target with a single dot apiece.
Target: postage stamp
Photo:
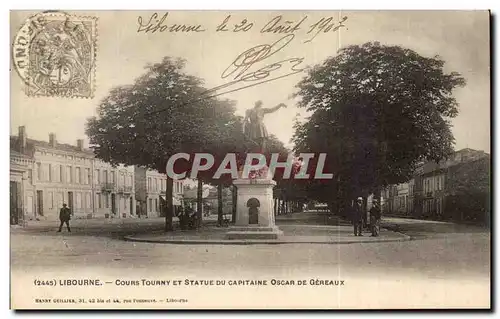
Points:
(55, 55)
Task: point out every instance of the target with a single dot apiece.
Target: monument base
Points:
(253, 232)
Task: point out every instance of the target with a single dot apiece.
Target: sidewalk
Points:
(293, 234)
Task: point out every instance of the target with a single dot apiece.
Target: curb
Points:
(257, 242)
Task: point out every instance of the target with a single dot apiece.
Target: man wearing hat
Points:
(375, 214)
(357, 217)
(64, 217)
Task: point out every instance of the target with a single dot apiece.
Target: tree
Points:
(376, 111)
(468, 188)
(159, 115)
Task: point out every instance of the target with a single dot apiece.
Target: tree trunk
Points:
(199, 203)
(234, 192)
(220, 213)
(169, 214)
(275, 207)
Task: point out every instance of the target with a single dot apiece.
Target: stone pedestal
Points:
(254, 211)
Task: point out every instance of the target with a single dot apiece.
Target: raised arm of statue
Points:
(274, 109)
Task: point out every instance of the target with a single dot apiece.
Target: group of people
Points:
(187, 218)
(359, 217)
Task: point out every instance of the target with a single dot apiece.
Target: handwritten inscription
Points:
(325, 25)
(240, 70)
(249, 68)
(276, 25)
(155, 24)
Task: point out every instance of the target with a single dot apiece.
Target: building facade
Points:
(429, 193)
(20, 185)
(151, 189)
(398, 199)
(54, 174)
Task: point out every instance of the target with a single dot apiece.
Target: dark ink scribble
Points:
(240, 72)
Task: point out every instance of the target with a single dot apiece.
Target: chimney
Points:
(79, 144)
(52, 140)
(22, 139)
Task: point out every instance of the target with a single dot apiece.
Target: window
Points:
(156, 185)
(60, 174)
(88, 203)
(78, 200)
(69, 177)
(87, 176)
(122, 179)
(112, 177)
(129, 180)
(39, 171)
(156, 204)
(438, 182)
(99, 200)
(97, 176)
(50, 172)
(107, 200)
(150, 205)
(105, 176)
(60, 199)
(77, 175)
(51, 199)
(149, 184)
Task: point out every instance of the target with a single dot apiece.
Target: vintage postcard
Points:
(250, 160)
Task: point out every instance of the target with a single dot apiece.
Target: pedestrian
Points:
(64, 217)
(375, 215)
(357, 217)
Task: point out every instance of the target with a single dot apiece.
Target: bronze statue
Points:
(253, 126)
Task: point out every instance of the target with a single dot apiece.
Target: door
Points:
(113, 204)
(130, 206)
(14, 189)
(39, 203)
(29, 206)
(70, 202)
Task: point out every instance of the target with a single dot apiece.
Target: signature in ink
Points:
(240, 68)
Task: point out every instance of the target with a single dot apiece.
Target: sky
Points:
(461, 38)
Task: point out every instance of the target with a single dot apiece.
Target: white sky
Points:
(460, 38)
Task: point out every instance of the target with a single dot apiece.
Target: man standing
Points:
(375, 215)
(64, 216)
(357, 217)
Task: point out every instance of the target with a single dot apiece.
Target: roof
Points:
(16, 153)
(31, 144)
(430, 166)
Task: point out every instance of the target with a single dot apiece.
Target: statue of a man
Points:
(253, 125)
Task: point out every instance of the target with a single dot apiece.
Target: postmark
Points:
(54, 53)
